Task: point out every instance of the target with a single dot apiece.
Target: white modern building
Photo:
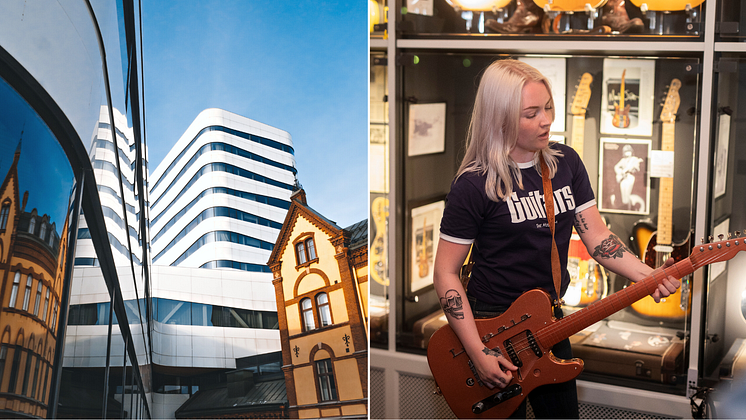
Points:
(220, 196)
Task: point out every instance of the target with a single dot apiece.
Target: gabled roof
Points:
(299, 207)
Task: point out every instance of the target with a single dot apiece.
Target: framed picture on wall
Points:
(555, 70)
(628, 97)
(424, 225)
(426, 129)
(624, 178)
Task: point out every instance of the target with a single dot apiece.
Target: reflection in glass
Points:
(35, 196)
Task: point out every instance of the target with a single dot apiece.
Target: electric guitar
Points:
(659, 246)
(577, 109)
(621, 111)
(587, 277)
(526, 332)
(422, 258)
(380, 212)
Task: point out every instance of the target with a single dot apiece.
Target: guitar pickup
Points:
(493, 400)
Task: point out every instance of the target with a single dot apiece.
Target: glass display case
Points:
(680, 72)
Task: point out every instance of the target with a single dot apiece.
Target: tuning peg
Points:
(738, 233)
(702, 240)
(710, 238)
(721, 236)
(729, 235)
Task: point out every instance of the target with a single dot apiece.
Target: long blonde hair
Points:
(494, 126)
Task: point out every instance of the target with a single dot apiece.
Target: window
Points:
(46, 306)
(306, 309)
(305, 251)
(300, 253)
(322, 306)
(54, 317)
(43, 232)
(4, 212)
(37, 301)
(14, 290)
(27, 295)
(3, 357)
(32, 225)
(14, 369)
(327, 389)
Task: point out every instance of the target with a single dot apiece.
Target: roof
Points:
(267, 394)
(358, 234)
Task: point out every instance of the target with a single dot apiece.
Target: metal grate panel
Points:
(593, 411)
(377, 393)
(418, 401)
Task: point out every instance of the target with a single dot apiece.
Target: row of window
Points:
(231, 169)
(223, 236)
(24, 303)
(218, 212)
(108, 145)
(42, 231)
(175, 312)
(209, 147)
(112, 192)
(276, 202)
(237, 265)
(258, 139)
(85, 233)
(108, 166)
(33, 360)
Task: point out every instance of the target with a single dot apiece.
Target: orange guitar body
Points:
(462, 389)
(587, 277)
(621, 116)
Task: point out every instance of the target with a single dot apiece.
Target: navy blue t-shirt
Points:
(512, 251)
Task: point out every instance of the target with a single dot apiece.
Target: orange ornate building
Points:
(32, 259)
(320, 278)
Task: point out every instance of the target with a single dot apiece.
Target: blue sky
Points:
(300, 66)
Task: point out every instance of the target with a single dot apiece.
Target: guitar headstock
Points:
(723, 250)
(582, 95)
(668, 114)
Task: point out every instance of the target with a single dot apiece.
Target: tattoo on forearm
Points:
(492, 352)
(452, 304)
(611, 247)
(580, 224)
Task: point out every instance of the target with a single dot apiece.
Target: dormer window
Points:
(305, 251)
(32, 225)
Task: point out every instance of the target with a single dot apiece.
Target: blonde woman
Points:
(496, 205)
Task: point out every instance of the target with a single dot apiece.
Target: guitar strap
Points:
(549, 203)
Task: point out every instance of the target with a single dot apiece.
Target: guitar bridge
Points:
(493, 400)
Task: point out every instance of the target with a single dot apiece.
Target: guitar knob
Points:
(478, 407)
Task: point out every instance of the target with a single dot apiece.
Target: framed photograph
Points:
(423, 242)
(628, 97)
(624, 179)
(427, 128)
(555, 70)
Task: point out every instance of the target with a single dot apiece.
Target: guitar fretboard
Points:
(665, 194)
(578, 128)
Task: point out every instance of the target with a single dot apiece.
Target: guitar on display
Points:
(621, 111)
(658, 245)
(380, 211)
(526, 332)
(587, 277)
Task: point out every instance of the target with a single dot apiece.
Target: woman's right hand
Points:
(493, 369)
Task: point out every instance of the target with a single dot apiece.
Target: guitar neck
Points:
(609, 305)
(665, 194)
(578, 128)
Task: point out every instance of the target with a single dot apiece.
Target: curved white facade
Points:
(220, 196)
